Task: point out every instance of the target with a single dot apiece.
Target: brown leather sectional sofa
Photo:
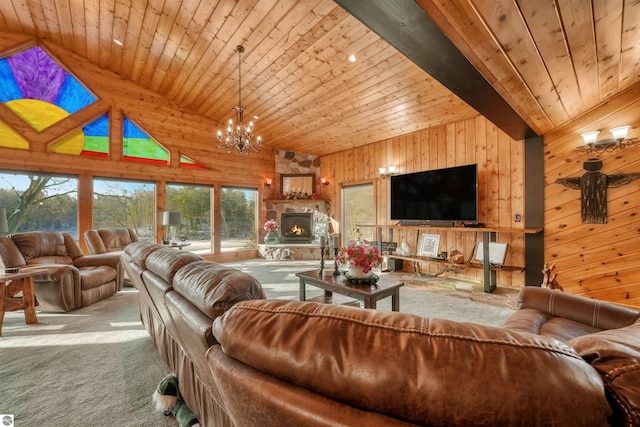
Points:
(243, 360)
(73, 280)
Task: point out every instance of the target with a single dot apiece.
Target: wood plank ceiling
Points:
(551, 60)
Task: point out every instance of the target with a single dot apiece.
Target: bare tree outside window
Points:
(359, 208)
(40, 202)
(120, 203)
(194, 203)
(238, 218)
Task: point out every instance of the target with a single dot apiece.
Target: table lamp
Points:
(4, 227)
(172, 219)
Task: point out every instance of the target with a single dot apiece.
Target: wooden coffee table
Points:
(369, 294)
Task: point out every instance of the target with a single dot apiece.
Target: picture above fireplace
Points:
(296, 227)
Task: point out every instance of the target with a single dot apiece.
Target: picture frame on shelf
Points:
(497, 253)
(429, 244)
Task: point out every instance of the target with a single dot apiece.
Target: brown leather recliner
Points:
(109, 239)
(72, 280)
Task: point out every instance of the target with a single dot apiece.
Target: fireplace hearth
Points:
(296, 227)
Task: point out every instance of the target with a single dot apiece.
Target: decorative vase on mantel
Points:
(271, 238)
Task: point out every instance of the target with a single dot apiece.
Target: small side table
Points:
(22, 283)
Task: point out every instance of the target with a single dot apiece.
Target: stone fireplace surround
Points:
(288, 162)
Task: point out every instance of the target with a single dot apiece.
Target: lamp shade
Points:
(4, 227)
(172, 218)
(620, 132)
(590, 137)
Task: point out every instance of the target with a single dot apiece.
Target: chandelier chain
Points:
(238, 135)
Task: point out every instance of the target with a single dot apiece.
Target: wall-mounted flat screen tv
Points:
(449, 194)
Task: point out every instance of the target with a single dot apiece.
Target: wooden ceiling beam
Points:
(406, 26)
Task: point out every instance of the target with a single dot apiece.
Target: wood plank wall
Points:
(181, 132)
(596, 260)
(501, 178)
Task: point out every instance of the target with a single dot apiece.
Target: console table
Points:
(488, 235)
(369, 294)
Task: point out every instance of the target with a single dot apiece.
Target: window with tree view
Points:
(194, 204)
(238, 218)
(120, 203)
(359, 208)
(40, 202)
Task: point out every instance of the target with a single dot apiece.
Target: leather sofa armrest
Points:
(10, 255)
(56, 272)
(599, 314)
(112, 259)
(59, 286)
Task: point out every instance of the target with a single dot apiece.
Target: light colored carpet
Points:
(98, 367)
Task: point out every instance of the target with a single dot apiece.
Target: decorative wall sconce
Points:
(619, 140)
(324, 181)
(268, 182)
(387, 172)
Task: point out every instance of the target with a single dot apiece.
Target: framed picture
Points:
(429, 245)
(497, 253)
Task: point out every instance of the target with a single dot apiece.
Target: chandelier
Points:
(237, 134)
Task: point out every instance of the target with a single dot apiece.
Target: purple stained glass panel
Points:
(37, 75)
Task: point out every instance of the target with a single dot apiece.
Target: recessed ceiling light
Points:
(118, 42)
(352, 58)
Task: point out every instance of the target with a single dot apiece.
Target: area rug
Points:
(97, 366)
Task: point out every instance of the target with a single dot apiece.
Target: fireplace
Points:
(296, 227)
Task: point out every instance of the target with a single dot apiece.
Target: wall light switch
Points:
(517, 217)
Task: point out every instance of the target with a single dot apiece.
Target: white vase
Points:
(357, 273)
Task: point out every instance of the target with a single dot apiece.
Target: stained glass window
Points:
(39, 90)
(140, 147)
(92, 140)
(186, 162)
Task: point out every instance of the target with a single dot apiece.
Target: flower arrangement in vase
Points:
(271, 238)
(360, 257)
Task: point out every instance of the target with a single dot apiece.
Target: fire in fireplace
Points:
(296, 227)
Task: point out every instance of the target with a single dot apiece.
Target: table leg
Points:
(3, 290)
(395, 300)
(369, 303)
(303, 295)
(29, 295)
(328, 296)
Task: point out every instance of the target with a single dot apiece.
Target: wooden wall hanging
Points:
(593, 190)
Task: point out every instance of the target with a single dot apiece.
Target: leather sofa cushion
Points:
(214, 288)
(139, 251)
(415, 369)
(10, 255)
(94, 242)
(165, 262)
(92, 277)
(615, 353)
(35, 244)
(115, 239)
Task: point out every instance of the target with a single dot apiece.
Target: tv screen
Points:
(449, 194)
